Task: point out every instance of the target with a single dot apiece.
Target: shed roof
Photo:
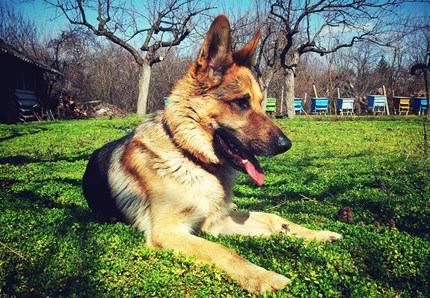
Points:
(12, 51)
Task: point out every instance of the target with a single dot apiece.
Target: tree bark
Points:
(264, 86)
(264, 92)
(142, 97)
(427, 86)
(288, 101)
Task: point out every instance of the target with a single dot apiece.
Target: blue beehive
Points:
(319, 105)
(298, 105)
(419, 104)
(345, 105)
(376, 103)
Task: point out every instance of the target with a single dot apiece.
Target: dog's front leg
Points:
(251, 277)
(265, 224)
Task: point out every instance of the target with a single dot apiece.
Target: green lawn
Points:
(379, 167)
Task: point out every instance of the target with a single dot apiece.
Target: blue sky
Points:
(49, 18)
(43, 15)
(51, 21)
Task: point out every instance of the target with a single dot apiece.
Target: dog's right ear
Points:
(215, 55)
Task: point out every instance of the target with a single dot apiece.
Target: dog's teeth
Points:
(244, 161)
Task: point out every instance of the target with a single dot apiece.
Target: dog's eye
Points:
(243, 102)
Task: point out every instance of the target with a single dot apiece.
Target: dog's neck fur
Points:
(186, 130)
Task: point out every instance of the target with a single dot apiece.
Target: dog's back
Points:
(113, 184)
(95, 183)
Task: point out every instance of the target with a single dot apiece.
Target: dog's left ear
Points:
(244, 56)
(215, 55)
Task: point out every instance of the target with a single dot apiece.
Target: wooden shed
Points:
(23, 85)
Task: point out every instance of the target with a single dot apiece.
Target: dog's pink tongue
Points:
(254, 171)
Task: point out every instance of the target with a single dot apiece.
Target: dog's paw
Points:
(320, 236)
(273, 282)
(326, 236)
(269, 281)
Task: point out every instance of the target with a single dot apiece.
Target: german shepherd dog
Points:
(174, 174)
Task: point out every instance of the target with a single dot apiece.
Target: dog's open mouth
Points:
(238, 156)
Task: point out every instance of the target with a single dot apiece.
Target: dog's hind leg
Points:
(251, 277)
(266, 224)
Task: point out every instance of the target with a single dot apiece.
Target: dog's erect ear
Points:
(244, 56)
(215, 54)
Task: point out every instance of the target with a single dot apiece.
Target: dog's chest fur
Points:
(168, 180)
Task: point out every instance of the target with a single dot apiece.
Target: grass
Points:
(378, 167)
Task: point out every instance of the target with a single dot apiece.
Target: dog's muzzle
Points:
(241, 157)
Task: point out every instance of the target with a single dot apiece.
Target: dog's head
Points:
(215, 112)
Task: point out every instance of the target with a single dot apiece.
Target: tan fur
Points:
(168, 180)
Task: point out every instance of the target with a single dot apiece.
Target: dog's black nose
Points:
(283, 143)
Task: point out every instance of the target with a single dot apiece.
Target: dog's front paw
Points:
(326, 236)
(273, 282)
(320, 236)
(269, 281)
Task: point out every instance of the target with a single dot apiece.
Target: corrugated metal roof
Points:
(8, 49)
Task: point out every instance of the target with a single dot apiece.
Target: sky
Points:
(47, 19)
(50, 20)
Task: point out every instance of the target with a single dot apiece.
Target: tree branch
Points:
(174, 19)
(335, 14)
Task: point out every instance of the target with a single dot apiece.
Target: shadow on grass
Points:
(65, 231)
(21, 131)
(22, 160)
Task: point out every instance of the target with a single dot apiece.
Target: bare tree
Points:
(165, 75)
(306, 23)
(71, 53)
(22, 33)
(267, 61)
(420, 56)
(141, 31)
(93, 70)
(18, 31)
(361, 62)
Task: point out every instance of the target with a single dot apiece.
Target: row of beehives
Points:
(376, 104)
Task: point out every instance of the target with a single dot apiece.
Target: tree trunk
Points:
(142, 98)
(288, 101)
(264, 83)
(264, 99)
(264, 90)
(427, 85)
